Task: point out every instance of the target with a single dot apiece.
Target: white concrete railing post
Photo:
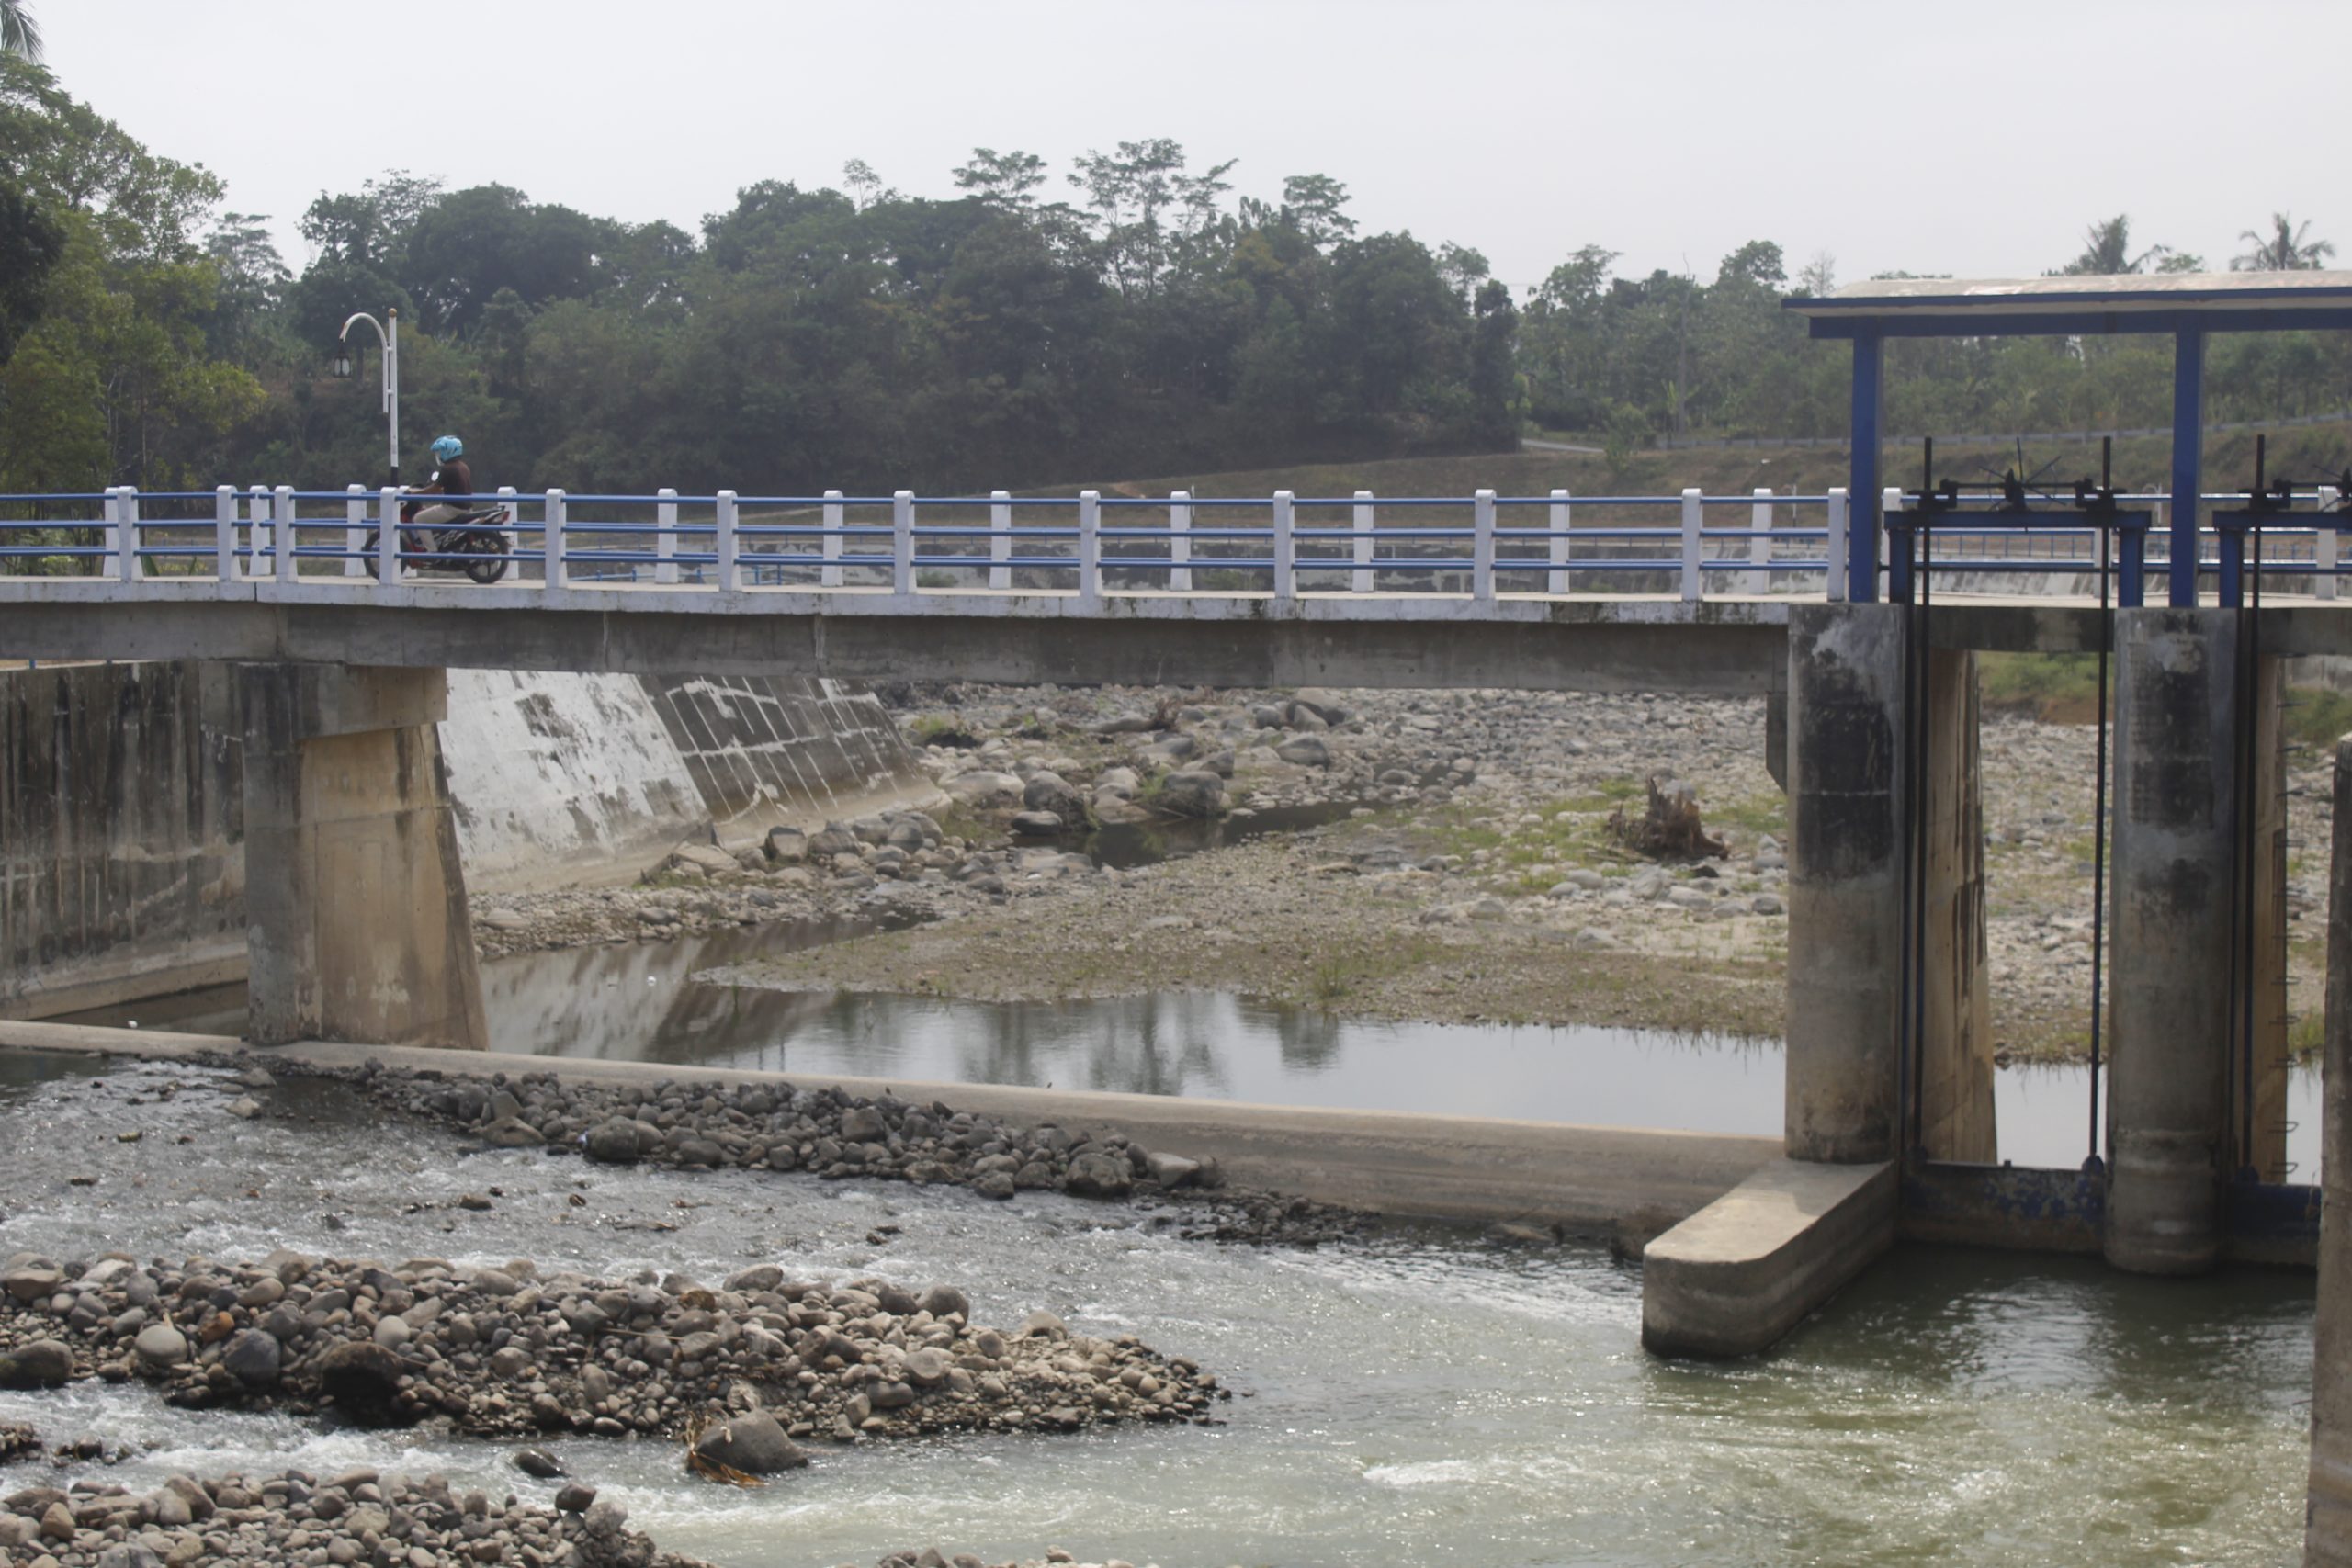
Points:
(723, 532)
(288, 533)
(665, 541)
(902, 542)
(1285, 529)
(1179, 541)
(354, 530)
(126, 560)
(261, 539)
(1760, 547)
(999, 538)
(2323, 544)
(1889, 501)
(514, 522)
(1557, 581)
(388, 537)
(110, 530)
(829, 575)
(1482, 544)
(1693, 520)
(1365, 518)
(559, 563)
(224, 534)
(1833, 590)
(1090, 545)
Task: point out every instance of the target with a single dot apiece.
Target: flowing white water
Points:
(1426, 1399)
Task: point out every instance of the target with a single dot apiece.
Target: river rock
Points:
(786, 846)
(1037, 824)
(512, 1133)
(759, 1278)
(1306, 751)
(708, 859)
(1193, 792)
(1172, 1170)
(1099, 1176)
(613, 1143)
(753, 1444)
(832, 840)
(253, 1356)
(44, 1363)
(984, 788)
(944, 1301)
(540, 1463)
(161, 1345)
(1048, 791)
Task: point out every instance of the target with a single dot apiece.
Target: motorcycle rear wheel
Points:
(489, 544)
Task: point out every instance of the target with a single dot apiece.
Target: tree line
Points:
(1133, 315)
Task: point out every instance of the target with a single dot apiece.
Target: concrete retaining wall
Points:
(121, 821)
(121, 829)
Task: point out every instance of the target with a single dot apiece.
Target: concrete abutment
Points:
(354, 894)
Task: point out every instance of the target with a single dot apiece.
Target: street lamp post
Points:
(388, 332)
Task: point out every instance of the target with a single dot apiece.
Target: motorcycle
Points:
(473, 544)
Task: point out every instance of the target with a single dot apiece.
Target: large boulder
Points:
(1048, 791)
(830, 840)
(1322, 704)
(1099, 1176)
(1306, 751)
(363, 1378)
(753, 1444)
(44, 1363)
(1195, 792)
(708, 859)
(613, 1143)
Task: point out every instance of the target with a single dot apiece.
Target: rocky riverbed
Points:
(502, 1352)
(1479, 879)
(356, 1517)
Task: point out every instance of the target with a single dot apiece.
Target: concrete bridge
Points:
(360, 929)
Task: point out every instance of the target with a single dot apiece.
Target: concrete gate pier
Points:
(2327, 1511)
(353, 891)
(2174, 867)
(1747, 1269)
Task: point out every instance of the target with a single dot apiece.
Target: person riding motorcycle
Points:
(454, 477)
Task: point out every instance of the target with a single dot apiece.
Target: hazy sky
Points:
(1977, 139)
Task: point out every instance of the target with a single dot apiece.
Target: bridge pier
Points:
(355, 894)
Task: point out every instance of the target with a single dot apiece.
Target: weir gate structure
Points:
(359, 925)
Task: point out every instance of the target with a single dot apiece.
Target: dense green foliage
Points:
(1154, 322)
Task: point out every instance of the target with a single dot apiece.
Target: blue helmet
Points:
(447, 447)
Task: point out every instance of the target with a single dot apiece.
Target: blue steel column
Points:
(2187, 458)
(1865, 519)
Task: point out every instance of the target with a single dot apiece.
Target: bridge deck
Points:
(1541, 642)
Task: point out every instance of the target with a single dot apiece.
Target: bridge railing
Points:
(1690, 546)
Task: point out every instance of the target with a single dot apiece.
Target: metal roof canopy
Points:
(2188, 305)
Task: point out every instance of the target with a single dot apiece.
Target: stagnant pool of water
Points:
(641, 1002)
(1424, 1400)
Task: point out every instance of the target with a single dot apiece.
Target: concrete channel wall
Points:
(122, 800)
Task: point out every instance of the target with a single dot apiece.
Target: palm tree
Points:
(2107, 251)
(19, 34)
(2284, 249)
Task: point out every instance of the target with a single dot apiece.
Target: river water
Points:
(641, 1002)
(1426, 1399)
